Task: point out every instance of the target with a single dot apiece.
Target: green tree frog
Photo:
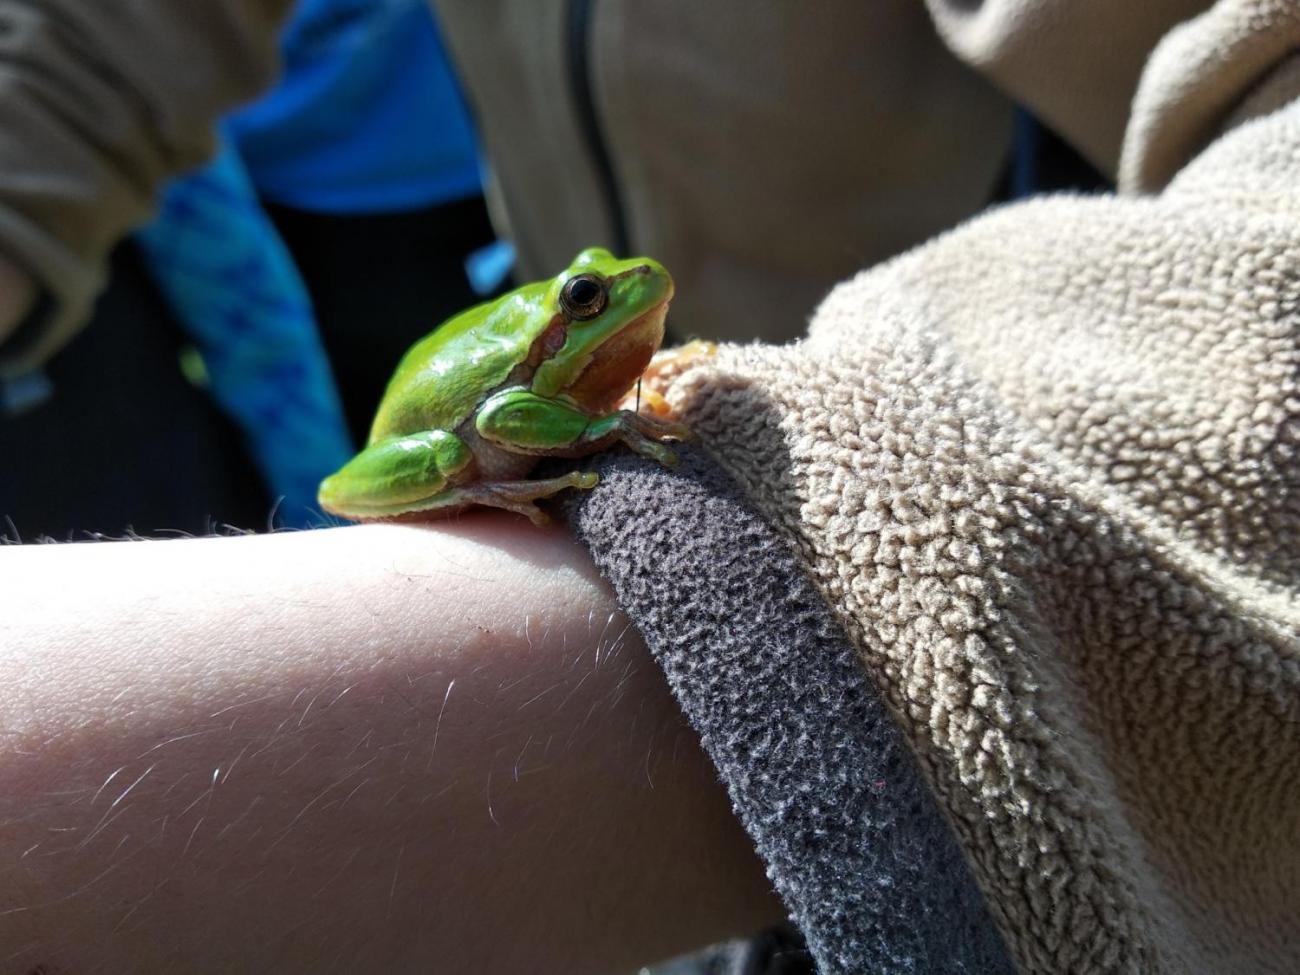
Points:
(536, 373)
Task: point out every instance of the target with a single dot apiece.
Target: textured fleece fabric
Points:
(817, 769)
(1043, 469)
(1046, 470)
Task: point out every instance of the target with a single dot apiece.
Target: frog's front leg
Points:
(521, 421)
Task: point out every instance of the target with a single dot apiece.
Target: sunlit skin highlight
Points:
(378, 748)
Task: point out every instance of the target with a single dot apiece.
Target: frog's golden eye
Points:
(583, 297)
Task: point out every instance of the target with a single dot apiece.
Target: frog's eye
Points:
(583, 297)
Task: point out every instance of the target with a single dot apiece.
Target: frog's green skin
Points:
(532, 374)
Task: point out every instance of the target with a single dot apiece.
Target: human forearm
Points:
(388, 747)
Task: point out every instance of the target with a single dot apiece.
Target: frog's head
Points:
(612, 313)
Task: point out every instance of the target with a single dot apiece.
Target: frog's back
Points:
(446, 375)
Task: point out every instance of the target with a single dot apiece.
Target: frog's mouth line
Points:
(618, 363)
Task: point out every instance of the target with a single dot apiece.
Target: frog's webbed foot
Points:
(518, 496)
(640, 433)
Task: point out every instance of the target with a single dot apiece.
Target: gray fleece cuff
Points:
(817, 770)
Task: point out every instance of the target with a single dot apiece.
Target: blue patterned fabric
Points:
(229, 278)
(367, 117)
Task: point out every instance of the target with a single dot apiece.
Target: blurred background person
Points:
(246, 333)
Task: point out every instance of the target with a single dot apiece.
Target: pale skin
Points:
(381, 748)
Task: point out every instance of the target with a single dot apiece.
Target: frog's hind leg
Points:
(398, 476)
(432, 474)
(518, 496)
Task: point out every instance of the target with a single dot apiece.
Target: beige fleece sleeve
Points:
(1075, 63)
(1046, 469)
(100, 101)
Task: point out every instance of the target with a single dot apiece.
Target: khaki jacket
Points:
(763, 158)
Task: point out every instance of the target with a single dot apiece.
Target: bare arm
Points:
(370, 749)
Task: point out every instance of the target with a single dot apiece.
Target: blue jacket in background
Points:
(366, 118)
